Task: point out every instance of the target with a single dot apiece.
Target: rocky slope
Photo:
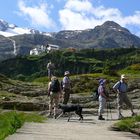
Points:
(31, 97)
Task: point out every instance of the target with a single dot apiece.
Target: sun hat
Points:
(66, 73)
(123, 76)
(53, 78)
(102, 81)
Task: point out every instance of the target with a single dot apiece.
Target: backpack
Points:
(95, 95)
(119, 82)
(61, 84)
(55, 86)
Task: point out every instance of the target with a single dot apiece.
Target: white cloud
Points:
(78, 6)
(82, 14)
(37, 16)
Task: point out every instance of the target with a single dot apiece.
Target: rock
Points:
(24, 106)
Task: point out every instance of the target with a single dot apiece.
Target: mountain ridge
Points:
(108, 35)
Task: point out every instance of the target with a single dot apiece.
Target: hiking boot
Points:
(101, 118)
(134, 114)
(55, 116)
(120, 117)
(49, 115)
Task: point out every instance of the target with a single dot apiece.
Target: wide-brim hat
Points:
(66, 73)
(123, 76)
(102, 81)
(54, 78)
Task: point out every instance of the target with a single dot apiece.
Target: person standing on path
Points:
(54, 93)
(102, 98)
(66, 83)
(121, 88)
(50, 68)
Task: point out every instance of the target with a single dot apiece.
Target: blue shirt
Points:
(121, 86)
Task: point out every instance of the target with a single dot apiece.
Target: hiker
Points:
(121, 89)
(54, 93)
(102, 98)
(50, 68)
(66, 84)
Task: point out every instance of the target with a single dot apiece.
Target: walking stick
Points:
(110, 110)
(107, 110)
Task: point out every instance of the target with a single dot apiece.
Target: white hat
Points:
(66, 73)
(53, 78)
(123, 76)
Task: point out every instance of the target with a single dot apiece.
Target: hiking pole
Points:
(107, 109)
(110, 110)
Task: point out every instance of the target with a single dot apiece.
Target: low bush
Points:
(128, 124)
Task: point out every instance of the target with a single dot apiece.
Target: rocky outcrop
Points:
(32, 97)
(24, 106)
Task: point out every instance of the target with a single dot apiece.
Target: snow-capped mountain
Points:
(9, 30)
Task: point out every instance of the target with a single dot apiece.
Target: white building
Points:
(34, 52)
(40, 49)
(52, 47)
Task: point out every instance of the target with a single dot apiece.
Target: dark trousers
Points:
(66, 96)
(50, 73)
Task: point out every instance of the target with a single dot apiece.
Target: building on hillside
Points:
(34, 51)
(40, 49)
(51, 47)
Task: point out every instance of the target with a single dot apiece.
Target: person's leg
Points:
(49, 74)
(50, 105)
(128, 103)
(119, 103)
(56, 101)
(102, 103)
(66, 96)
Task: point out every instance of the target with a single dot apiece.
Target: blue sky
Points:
(56, 15)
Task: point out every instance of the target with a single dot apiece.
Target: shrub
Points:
(127, 124)
(20, 77)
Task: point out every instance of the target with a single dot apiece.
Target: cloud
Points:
(37, 16)
(79, 6)
(82, 14)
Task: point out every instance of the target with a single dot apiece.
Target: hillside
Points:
(108, 35)
(33, 97)
(79, 62)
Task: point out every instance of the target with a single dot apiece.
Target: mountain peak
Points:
(9, 30)
(111, 23)
(3, 25)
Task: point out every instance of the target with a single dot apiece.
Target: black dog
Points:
(71, 108)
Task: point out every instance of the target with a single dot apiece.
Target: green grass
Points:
(41, 80)
(127, 124)
(132, 71)
(6, 94)
(11, 121)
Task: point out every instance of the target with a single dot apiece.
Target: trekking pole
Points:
(110, 110)
(107, 109)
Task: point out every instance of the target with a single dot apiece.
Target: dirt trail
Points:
(89, 129)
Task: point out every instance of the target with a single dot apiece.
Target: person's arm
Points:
(49, 88)
(116, 87)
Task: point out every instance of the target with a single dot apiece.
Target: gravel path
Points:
(88, 129)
